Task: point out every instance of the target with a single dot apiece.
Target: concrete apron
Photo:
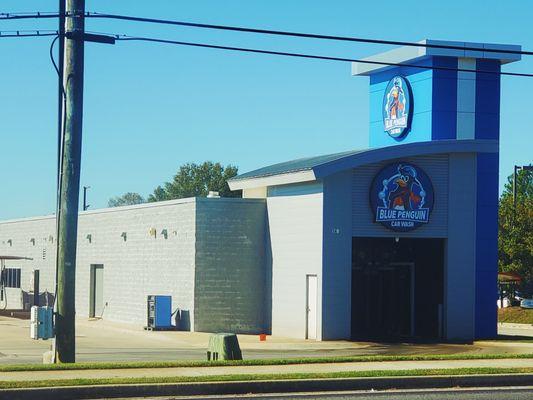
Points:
(255, 387)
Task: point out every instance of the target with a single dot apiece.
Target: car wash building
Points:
(399, 240)
(395, 242)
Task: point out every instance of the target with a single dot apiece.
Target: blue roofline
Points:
(406, 150)
(325, 165)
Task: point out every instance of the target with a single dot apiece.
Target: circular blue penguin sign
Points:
(397, 102)
(401, 197)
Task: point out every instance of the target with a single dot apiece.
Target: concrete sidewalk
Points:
(263, 369)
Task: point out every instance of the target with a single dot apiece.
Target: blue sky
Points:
(150, 108)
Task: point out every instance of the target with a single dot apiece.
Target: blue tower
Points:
(412, 104)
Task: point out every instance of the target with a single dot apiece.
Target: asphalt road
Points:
(433, 394)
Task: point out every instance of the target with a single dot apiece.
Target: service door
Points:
(96, 303)
(311, 306)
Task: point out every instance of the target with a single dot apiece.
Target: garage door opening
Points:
(397, 289)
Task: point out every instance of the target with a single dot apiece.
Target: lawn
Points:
(515, 315)
(251, 362)
(260, 377)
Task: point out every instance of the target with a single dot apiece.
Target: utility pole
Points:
(515, 183)
(85, 205)
(60, 113)
(515, 173)
(60, 66)
(70, 183)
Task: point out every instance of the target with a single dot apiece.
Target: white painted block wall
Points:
(295, 225)
(140, 266)
(16, 239)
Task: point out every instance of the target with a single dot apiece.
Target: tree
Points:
(515, 238)
(194, 180)
(127, 199)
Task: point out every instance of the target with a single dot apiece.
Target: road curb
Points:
(276, 386)
(515, 325)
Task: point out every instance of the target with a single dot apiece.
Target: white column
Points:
(466, 99)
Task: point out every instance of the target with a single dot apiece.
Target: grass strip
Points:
(261, 377)
(270, 361)
(515, 315)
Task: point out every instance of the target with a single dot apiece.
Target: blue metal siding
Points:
(460, 273)
(421, 85)
(436, 166)
(444, 110)
(337, 257)
(486, 245)
(434, 103)
(488, 100)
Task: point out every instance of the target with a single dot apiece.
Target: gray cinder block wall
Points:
(205, 253)
(230, 265)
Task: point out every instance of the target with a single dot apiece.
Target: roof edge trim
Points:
(272, 180)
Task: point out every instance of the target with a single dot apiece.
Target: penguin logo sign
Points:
(397, 107)
(401, 197)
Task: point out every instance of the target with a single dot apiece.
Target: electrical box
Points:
(159, 312)
(41, 323)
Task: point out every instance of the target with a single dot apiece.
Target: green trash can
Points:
(223, 346)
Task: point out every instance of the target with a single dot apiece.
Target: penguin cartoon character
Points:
(396, 100)
(403, 197)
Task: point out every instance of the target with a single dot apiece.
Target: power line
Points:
(120, 37)
(299, 34)
(310, 56)
(264, 31)
(28, 15)
(28, 33)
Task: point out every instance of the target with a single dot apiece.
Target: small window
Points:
(11, 277)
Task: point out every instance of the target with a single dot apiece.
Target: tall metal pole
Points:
(70, 184)
(515, 173)
(85, 205)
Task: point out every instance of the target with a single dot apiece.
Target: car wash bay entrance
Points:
(397, 288)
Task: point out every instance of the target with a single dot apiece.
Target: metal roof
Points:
(300, 164)
(312, 168)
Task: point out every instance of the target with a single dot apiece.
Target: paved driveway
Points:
(105, 341)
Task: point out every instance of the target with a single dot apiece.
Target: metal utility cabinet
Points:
(159, 311)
